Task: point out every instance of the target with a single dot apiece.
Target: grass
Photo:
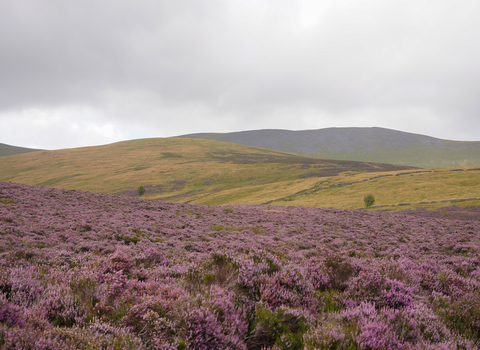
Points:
(185, 168)
(418, 189)
(213, 172)
(6, 200)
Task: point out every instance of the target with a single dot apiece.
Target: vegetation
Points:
(361, 144)
(212, 172)
(80, 270)
(368, 200)
(6, 200)
(141, 191)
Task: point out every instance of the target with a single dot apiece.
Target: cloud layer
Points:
(91, 72)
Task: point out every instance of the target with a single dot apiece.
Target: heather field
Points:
(82, 270)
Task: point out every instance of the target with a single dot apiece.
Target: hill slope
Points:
(183, 170)
(7, 150)
(360, 144)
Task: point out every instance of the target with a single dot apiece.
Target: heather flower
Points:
(318, 274)
(289, 288)
(121, 261)
(325, 337)
(21, 287)
(61, 308)
(81, 270)
(396, 294)
(11, 315)
(217, 323)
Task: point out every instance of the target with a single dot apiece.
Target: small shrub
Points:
(10, 314)
(6, 200)
(121, 262)
(331, 300)
(339, 272)
(463, 316)
(217, 323)
(281, 328)
(328, 336)
(141, 191)
(129, 240)
(369, 201)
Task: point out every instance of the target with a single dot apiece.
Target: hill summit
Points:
(374, 144)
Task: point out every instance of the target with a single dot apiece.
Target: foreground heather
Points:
(92, 271)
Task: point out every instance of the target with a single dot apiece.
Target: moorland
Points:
(82, 270)
(212, 172)
(234, 247)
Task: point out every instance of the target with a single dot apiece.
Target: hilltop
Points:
(360, 144)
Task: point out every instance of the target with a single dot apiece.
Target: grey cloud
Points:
(242, 64)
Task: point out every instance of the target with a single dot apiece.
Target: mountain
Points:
(360, 144)
(7, 150)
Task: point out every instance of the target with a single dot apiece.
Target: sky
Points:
(91, 72)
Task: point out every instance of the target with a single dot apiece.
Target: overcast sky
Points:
(79, 73)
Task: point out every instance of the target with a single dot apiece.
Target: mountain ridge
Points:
(359, 144)
(9, 150)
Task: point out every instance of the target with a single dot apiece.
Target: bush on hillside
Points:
(369, 201)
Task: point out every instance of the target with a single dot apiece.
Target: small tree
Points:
(369, 201)
(140, 191)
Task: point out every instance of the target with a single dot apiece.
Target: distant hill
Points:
(360, 144)
(7, 150)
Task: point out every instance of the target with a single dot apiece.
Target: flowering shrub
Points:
(10, 315)
(217, 323)
(289, 288)
(81, 270)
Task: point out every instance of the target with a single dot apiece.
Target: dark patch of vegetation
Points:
(6, 200)
(369, 200)
(253, 158)
(171, 155)
(128, 239)
(276, 328)
(56, 180)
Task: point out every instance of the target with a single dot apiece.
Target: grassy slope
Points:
(212, 172)
(189, 170)
(410, 189)
(416, 155)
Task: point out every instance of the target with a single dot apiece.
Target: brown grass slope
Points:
(183, 170)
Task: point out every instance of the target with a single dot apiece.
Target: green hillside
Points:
(212, 172)
(174, 169)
